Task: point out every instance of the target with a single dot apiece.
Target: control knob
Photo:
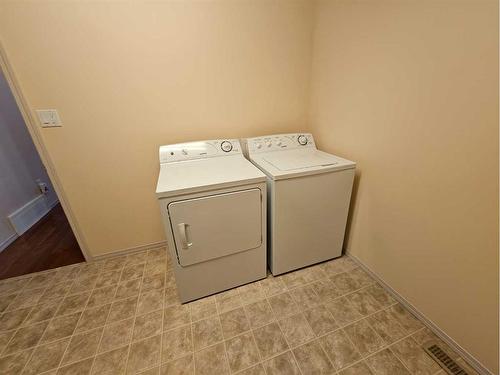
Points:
(226, 146)
(302, 139)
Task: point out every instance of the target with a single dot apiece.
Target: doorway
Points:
(35, 234)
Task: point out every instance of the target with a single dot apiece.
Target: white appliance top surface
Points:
(194, 171)
(299, 159)
(283, 156)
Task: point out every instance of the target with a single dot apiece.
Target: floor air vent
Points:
(443, 359)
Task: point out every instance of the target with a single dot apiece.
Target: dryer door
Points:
(217, 225)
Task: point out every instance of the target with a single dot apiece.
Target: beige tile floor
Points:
(122, 316)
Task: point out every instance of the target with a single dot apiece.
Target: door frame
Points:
(36, 136)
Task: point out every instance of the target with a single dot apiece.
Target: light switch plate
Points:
(49, 118)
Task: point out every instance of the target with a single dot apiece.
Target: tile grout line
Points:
(341, 327)
(301, 311)
(123, 345)
(163, 308)
(70, 337)
(192, 344)
(78, 322)
(363, 359)
(261, 361)
(96, 354)
(222, 333)
(321, 347)
(162, 333)
(274, 320)
(133, 325)
(20, 326)
(284, 337)
(48, 324)
(346, 335)
(149, 367)
(395, 342)
(30, 307)
(398, 357)
(390, 345)
(316, 338)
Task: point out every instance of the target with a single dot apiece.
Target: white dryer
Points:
(213, 205)
(309, 192)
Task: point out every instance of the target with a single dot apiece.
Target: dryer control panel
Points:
(199, 150)
(279, 142)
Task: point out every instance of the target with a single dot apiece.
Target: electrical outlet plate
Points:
(49, 118)
(42, 186)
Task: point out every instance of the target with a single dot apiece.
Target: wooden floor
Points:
(50, 243)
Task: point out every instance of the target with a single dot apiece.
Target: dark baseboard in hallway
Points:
(50, 243)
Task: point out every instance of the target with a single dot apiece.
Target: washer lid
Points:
(300, 159)
(280, 165)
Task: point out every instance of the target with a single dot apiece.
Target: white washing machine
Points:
(213, 205)
(309, 192)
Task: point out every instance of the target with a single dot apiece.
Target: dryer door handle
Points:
(185, 244)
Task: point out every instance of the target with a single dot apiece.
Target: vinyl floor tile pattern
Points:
(123, 316)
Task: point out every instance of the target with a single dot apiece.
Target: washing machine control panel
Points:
(199, 150)
(280, 142)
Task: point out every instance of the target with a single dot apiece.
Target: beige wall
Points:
(409, 90)
(128, 77)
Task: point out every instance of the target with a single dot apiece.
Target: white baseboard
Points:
(469, 358)
(25, 217)
(8, 241)
(130, 250)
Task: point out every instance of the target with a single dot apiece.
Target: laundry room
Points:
(252, 187)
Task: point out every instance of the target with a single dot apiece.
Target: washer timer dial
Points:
(302, 139)
(226, 146)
